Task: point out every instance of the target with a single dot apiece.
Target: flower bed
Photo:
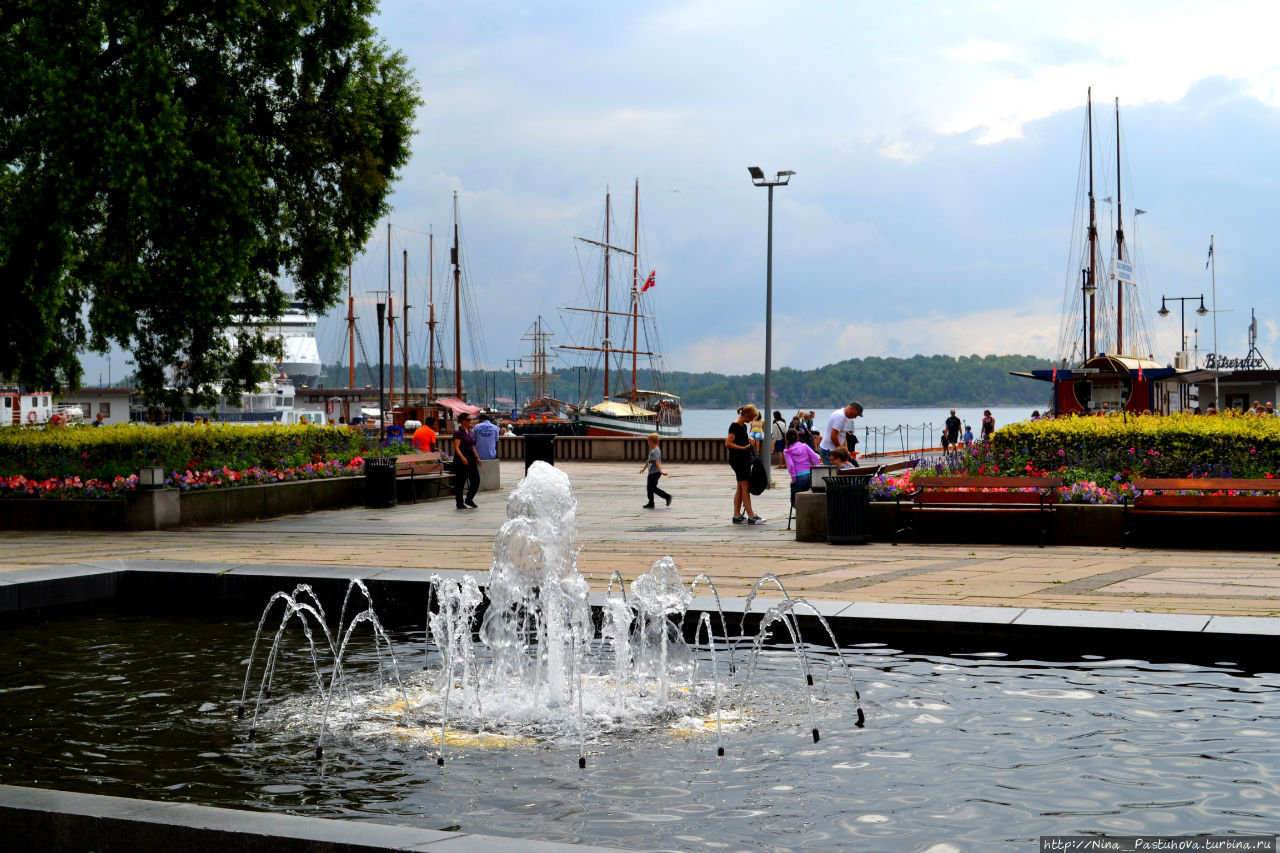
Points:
(1100, 457)
(102, 462)
(75, 488)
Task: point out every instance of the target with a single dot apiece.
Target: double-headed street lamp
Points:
(782, 179)
(382, 411)
(1164, 312)
(579, 369)
(515, 397)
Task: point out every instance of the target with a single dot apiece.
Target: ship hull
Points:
(605, 426)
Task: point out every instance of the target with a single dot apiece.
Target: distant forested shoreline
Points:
(922, 380)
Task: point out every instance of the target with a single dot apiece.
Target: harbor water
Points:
(711, 423)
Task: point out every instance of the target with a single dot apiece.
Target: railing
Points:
(585, 448)
(898, 440)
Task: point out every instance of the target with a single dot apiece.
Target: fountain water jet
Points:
(535, 668)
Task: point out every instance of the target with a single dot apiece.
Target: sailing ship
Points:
(541, 413)
(629, 411)
(1102, 365)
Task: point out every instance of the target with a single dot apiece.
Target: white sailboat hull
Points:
(608, 425)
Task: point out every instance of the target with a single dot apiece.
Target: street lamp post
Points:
(382, 427)
(579, 369)
(1164, 312)
(782, 179)
(515, 397)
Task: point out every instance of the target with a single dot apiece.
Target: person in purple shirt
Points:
(800, 457)
(466, 464)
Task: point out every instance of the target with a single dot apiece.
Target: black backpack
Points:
(758, 478)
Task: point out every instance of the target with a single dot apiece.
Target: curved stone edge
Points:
(40, 819)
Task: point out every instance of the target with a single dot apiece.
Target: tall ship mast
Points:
(541, 412)
(431, 316)
(631, 410)
(1105, 356)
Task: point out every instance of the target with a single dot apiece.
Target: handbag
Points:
(757, 477)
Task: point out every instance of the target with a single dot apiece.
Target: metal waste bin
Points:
(539, 448)
(848, 510)
(380, 481)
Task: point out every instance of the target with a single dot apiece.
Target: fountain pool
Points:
(530, 715)
(973, 752)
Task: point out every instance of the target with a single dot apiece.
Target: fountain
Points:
(692, 729)
(536, 668)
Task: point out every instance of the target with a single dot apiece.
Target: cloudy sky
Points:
(936, 145)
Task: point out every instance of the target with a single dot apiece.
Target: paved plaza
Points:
(616, 533)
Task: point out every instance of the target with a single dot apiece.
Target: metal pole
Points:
(1084, 315)
(1213, 262)
(515, 395)
(767, 414)
(382, 310)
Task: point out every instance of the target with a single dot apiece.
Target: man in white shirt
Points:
(833, 435)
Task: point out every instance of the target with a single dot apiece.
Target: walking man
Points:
(951, 434)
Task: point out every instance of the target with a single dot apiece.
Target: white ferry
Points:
(34, 408)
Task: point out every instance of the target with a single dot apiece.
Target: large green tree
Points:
(165, 163)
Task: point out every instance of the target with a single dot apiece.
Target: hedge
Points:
(1226, 445)
(110, 451)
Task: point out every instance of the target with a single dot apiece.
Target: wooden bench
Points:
(1005, 495)
(427, 466)
(899, 467)
(1196, 496)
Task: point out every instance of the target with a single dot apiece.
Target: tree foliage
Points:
(165, 163)
(922, 380)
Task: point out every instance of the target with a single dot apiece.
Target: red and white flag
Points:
(1140, 373)
(1055, 374)
(649, 282)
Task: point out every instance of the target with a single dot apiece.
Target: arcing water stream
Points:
(536, 669)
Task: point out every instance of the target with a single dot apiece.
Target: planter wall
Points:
(22, 514)
(1072, 524)
(162, 508)
(244, 502)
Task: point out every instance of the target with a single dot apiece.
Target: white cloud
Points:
(935, 145)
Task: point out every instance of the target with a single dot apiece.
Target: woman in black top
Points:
(741, 452)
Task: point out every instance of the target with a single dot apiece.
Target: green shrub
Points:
(107, 452)
(1227, 445)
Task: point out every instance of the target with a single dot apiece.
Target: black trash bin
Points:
(539, 448)
(848, 510)
(380, 481)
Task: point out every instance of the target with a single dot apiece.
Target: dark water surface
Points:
(959, 753)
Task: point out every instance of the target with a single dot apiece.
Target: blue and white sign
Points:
(1122, 271)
